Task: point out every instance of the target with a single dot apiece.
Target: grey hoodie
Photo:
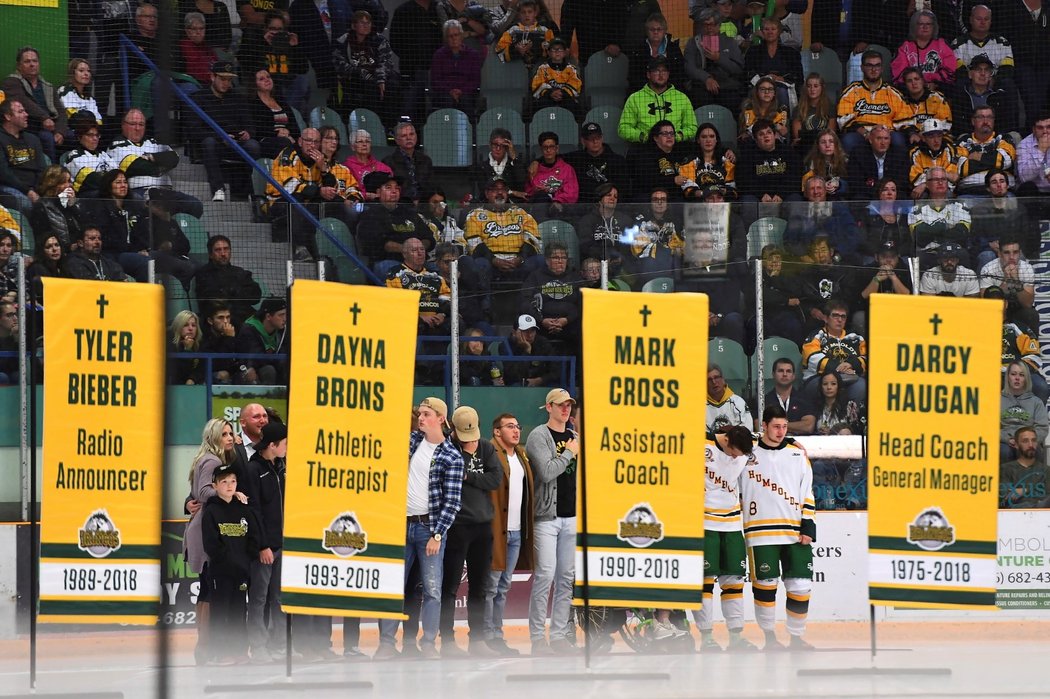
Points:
(1024, 410)
(547, 464)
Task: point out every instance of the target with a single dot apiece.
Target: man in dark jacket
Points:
(263, 483)
(384, 227)
(609, 25)
(525, 343)
(230, 112)
(221, 281)
(470, 536)
(875, 160)
(595, 164)
(88, 262)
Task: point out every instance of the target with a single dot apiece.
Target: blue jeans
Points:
(554, 552)
(430, 567)
(498, 586)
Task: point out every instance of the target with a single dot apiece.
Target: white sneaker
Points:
(663, 630)
(220, 195)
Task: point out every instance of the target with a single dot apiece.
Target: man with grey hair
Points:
(714, 64)
(410, 165)
(455, 72)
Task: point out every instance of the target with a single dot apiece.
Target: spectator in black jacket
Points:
(415, 34)
(219, 282)
(503, 162)
(470, 536)
(552, 294)
(383, 228)
(656, 42)
(158, 237)
(525, 342)
(217, 336)
(273, 48)
(88, 262)
(114, 213)
(414, 167)
(609, 25)
(263, 482)
(21, 156)
(873, 161)
(773, 59)
(230, 112)
(596, 163)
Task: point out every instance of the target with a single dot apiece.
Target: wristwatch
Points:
(437, 538)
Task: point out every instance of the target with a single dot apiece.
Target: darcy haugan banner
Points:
(103, 454)
(645, 391)
(933, 451)
(349, 417)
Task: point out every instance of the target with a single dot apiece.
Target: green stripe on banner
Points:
(314, 546)
(635, 594)
(677, 543)
(931, 596)
(893, 543)
(124, 552)
(99, 608)
(323, 601)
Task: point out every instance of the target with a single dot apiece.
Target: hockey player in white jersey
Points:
(725, 556)
(776, 492)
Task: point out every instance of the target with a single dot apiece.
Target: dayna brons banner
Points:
(103, 452)
(349, 416)
(645, 391)
(933, 451)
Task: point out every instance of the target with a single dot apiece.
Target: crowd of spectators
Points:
(935, 149)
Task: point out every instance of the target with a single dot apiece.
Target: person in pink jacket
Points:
(361, 162)
(551, 179)
(925, 50)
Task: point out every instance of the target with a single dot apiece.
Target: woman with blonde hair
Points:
(216, 449)
(185, 338)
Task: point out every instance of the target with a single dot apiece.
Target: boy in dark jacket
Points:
(264, 485)
(231, 533)
(470, 536)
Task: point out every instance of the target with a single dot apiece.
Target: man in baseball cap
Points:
(596, 164)
(222, 103)
(436, 461)
(438, 406)
(525, 341)
(949, 278)
(553, 450)
(470, 537)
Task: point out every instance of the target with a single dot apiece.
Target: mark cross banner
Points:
(103, 452)
(933, 451)
(645, 393)
(349, 410)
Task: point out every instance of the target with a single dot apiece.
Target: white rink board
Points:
(840, 566)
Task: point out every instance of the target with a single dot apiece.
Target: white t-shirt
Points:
(419, 478)
(992, 274)
(515, 491)
(965, 283)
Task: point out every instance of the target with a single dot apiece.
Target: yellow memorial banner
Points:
(933, 451)
(103, 452)
(642, 471)
(349, 416)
